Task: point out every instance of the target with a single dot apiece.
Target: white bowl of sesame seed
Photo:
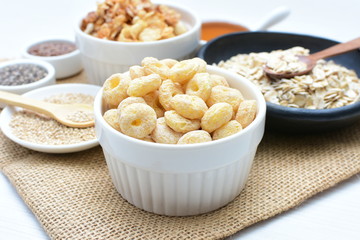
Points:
(43, 134)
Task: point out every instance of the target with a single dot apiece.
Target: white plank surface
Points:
(333, 214)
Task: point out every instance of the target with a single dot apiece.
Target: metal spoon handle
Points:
(336, 49)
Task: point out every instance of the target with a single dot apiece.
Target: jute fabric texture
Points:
(73, 197)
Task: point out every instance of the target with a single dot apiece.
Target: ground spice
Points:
(20, 74)
(48, 49)
(36, 128)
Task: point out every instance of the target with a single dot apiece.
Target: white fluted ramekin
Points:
(181, 180)
(101, 57)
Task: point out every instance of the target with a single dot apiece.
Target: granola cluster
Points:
(133, 21)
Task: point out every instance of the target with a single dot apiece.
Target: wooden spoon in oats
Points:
(71, 115)
(309, 62)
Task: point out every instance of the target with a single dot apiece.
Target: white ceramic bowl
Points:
(65, 65)
(42, 93)
(101, 58)
(180, 180)
(49, 79)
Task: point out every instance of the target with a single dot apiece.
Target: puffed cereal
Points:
(217, 115)
(112, 117)
(225, 94)
(175, 102)
(246, 112)
(218, 80)
(136, 71)
(180, 124)
(184, 70)
(115, 89)
(152, 99)
(164, 134)
(127, 101)
(153, 65)
(141, 86)
(197, 136)
(191, 107)
(227, 129)
(148, 139)
(169, 62)
(201, 64)
(167, 91)
(137, 120)
(199, 85)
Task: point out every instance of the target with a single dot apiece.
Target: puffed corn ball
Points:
(188, 106)
(152, 99)
(225, 94)
(217, 115)
(112, 117)
(127, 101)
(216, 80)
(167, 91)
(175, 102)
(246, 112)
(115, 89)
(198, 136)
(164, 134)
(184, 70)
(169, 62)
(136, 71)
(227, 129)
(200, 86)
(153, 65)
(179, 123)
(141, 86)
(137, 120)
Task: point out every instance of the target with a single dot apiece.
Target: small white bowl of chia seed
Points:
(23, 75)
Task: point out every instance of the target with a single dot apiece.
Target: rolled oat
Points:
(329, 85)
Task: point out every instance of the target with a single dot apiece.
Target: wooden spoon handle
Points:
(28, 103)
(337, 49)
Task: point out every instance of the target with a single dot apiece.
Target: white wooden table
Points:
(333, 214)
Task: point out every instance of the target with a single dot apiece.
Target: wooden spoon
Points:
(311, 60)
(66, 114)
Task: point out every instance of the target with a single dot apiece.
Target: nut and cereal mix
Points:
(173, 102)
(133, 21)
(328, 85)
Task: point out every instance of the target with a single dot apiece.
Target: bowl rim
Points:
(228, 35)
(8, 111)
(191, 31)
(298, 113)
(24, 87)
(260, 116)
(65, 56)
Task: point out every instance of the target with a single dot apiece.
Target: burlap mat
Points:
(73, 197)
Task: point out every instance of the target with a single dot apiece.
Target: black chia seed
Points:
(20, 74)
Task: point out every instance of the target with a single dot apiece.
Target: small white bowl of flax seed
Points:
(60, 52)
(43, 134)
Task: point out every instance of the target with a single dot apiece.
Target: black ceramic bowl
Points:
(280, 118)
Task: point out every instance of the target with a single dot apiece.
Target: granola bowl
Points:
(289, 119)
(102, 57)
(182, 179)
